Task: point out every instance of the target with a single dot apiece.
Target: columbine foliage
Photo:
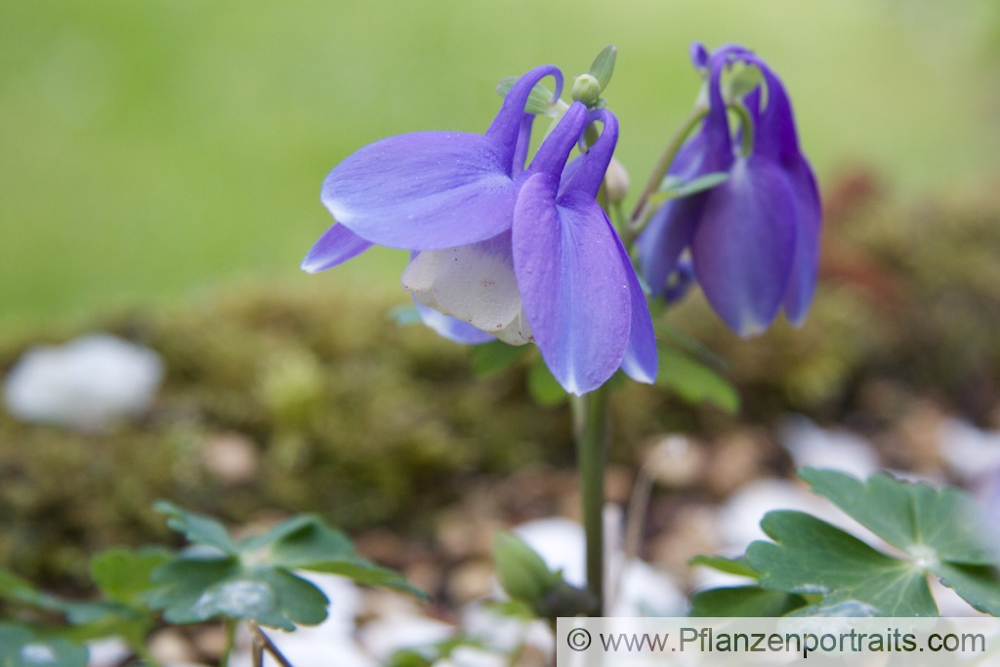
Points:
(21, 645)
(526, 578)
(814, 568)
(216, 576)
(252, 579)
(122, 577)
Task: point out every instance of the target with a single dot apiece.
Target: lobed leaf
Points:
(125, 576)
(197, 528)
(195, 590)
(744, 601)
(21, 647)
(737, 566)
(925, 523)
(810, 556)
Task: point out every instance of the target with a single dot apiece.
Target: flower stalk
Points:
(643, 211)
(590, 429)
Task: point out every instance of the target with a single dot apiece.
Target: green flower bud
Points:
(522, 572)
(586, 89)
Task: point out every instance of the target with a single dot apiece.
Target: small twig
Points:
(638, 506)
(257, 652)
(268, 645)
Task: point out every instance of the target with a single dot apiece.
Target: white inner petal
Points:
(518, 332)
(474, 283)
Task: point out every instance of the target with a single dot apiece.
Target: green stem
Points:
(145, 657)
(590, 428)
(230, 625)
(746, 124)
(667, 157)
(643, 211)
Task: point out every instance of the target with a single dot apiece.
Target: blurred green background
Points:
(151, 149)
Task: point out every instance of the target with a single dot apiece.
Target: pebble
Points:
(812, 446)
(169, 645)
(231, 458)
(89, 384)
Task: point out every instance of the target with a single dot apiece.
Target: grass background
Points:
(150, 149)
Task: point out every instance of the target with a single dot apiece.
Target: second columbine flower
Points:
(752, 241)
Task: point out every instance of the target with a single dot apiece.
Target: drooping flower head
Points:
(498, 248)
(753, 240)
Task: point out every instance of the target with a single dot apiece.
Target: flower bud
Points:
(586, 89)
(522, 572)
(616, 181)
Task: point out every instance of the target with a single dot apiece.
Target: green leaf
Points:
(538, 99)
(689, 345)
(942, 532)
(737, 566)
(744, 601)
(95, 613)
(978, 585)
(491, 358)
(313, 543)
(18, 590)
(511, 609)
(543, 387)
(251, 579)
(281, 531)
(674, 188)
(409, 657)
(925, 523)
(195, 590)
(695, 382)
(90, 620)
(522, 572)
(744, 79)
(125, 576)
(366, 573)
(21, 647)
(319, 548)
(811, 556)
(604, 65)
(197, 528)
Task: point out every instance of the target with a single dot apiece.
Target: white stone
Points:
(108, 652)
(468, 656)
(88, 384)
(561, 544)
(970, 452)
(812, 446)
(385, 636)
(646, 591)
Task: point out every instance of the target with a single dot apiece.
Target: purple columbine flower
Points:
(499, 249)
(754, 239)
